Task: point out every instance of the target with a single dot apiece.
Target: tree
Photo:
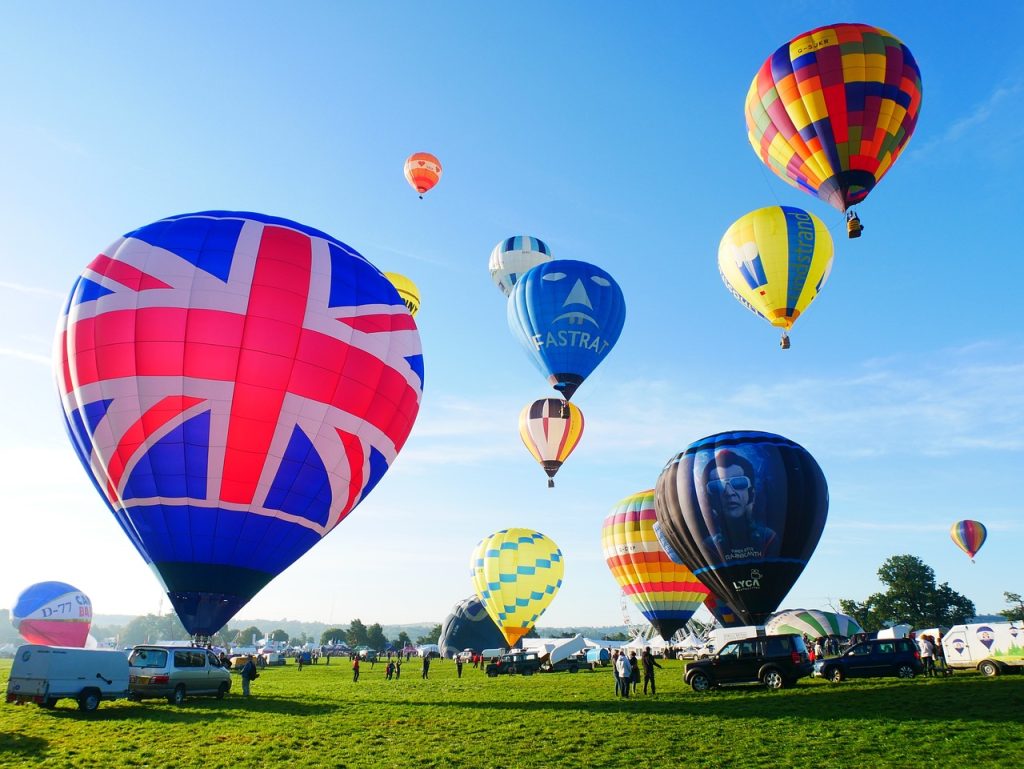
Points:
(375, 637)
(153, 628)
(404, 640)
(1016, 610)
(357, 634)
(279, 636)
(432, 637)
(245, 636)
(332, 635)
(912, 597)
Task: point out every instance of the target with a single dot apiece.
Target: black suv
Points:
(774, 660)
(877, 657)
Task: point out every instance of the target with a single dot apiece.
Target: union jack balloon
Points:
(234, 384)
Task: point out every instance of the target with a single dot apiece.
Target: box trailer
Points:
(46, 674)
(990, 647)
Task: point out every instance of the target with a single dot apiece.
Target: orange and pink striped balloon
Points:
(422, 171)
(666, 593)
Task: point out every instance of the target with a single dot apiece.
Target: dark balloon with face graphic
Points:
(744, 511)
(469, 626)
(568, 316)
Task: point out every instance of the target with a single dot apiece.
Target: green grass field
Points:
(319, 718)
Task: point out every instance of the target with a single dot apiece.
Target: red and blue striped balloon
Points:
(969, 536)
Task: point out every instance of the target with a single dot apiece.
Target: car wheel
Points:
(905, 671)
(89, 700)
(774, 679)
(835, 675)
(178, 698)
(222, 690)
(492, 673)
(573, 669)
(700, 682)
(988, 669)
(49, 703)
(527, 672)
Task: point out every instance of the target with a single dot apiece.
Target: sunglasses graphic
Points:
(737, 482)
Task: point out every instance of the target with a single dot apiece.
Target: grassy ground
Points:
(319, 718)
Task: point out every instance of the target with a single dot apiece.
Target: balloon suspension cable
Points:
(784, 342)
(551, 483)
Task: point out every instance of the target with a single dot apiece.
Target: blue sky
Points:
(617, 137)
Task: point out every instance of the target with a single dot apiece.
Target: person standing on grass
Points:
(426, 665)
(649, 664)
(625, 672)
(389, 670)
(398, 667)
(927, 649)
(248, 674)
(634, 675)
(615, 672)
(355, 668)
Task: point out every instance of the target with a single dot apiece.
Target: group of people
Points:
(628, 670)
(826, 646)
(932, 656)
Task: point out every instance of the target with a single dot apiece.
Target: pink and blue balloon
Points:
(53, 614)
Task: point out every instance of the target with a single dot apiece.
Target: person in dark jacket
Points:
(248, 674)
(648, 663)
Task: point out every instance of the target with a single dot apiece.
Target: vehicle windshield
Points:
(148, 658)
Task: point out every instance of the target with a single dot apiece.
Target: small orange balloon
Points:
(422, 171)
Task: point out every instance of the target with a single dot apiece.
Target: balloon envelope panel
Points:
(516, 573)
(513, 257)
(567, 315)
(969, 536)
(53, 614)
(422, 171)
(407, 290)
(551, 428)
(813, 623)
(831, 111)
(234, 384)
(469, 626)
(665, 592)
(744, 511)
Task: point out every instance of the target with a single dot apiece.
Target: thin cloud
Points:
(31, 357)
(35, 290)
(966, 125)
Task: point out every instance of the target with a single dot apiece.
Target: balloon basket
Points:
(551, 483)
(784, 342)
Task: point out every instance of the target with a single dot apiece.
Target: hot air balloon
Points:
(722, 612)
(407, 290)
(422, 171)
(550, 429)
(744, 511)
(516, 573)
(969, 536)
(234, 384)
(813, 623)
(53, 614)
(568, 316)
(665, 592)
(514, 256)
(469, 626)
(775, 261)
(831, 110)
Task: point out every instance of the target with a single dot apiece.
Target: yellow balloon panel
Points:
(516, 573)
(775, 261)
(407, 290)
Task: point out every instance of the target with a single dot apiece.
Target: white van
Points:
(45, 674)
(991, 647)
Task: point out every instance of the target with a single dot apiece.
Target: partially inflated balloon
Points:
(53, 614)
(469, 626)
(568, 316)
(516, 573)
(744, 511)
(422, 171)
(813, 623)
(513, 257)
(550, 429)
(830, 111)
(721, 611)
(666, 593)
(407, 290)
(969, 536)
(234, 384)
(775, 261)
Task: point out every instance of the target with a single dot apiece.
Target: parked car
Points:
(45, 674)
(877, 657)
(773, 660)
(524, 663)
(175, 673)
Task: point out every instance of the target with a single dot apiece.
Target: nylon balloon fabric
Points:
(53, 614)
(469, 626)
(744, 511)
(666, 593)
(516, 573)
(513, 257)
(567, 315)
(234, 385)
(830, 111)
(813, 623)
(969, 536)
(422, 171)
(551, 428)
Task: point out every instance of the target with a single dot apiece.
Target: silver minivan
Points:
(175, 672)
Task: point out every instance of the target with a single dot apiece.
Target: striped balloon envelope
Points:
(514, 256)
(550, 429)
(516, 573)
(831, 110)
(53, 614)
(969, 536)
(812, 623)
(775, 261)
(665, 592)
(422, 171)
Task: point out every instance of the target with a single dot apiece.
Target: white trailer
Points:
(990, 647)
(45, 674)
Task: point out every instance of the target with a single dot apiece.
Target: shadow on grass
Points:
(21, 746)
(196, 710)
(906, 701)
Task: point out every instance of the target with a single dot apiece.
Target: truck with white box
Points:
(46, 674)
(990, 647)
